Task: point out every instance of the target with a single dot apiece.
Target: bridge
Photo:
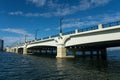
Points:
(95, 38)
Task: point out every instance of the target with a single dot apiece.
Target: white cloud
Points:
(18, 31)
(47, 29)
(54, 8)
(91, 20)
(66, 9)
(13, 40)
(38, 3)
(10, 40)
(99, 2)
(36, 14)
(16, 13)
(29, 14)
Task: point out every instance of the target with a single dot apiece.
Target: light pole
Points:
(25, 38)
(61, 25)
(36, 31)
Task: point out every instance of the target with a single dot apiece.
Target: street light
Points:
(36, 31)
(25, 38)
(61, 25)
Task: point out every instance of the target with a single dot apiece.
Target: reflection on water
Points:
(27, 67)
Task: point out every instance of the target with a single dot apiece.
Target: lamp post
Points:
(61, 25)
(25, 38)
(36, 31)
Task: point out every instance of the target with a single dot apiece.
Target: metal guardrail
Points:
(111, 24)
(54, 35)
(70, 32)
(88, 29)
(45, 37)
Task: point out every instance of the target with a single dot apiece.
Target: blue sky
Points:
(22, 17)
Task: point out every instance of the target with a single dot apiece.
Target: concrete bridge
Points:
(95, 38)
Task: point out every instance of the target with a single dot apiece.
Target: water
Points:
(29, 67)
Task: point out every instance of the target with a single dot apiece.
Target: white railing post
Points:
(100, 26)
(76, 31)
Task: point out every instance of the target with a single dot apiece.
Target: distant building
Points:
(1, 45)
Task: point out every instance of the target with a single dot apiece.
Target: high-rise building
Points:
(1, 45)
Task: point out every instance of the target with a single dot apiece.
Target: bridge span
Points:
(96, 38)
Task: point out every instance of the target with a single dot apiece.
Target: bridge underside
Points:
(98, 47)
(20, 50)
(104, 44)
(42, 50)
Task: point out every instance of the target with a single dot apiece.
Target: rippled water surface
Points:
(29, 67)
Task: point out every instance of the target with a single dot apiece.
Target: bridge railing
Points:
(111, 24)
(54, 35)
(88, 29)
(70, 32)
(45, 38)
(83, 30)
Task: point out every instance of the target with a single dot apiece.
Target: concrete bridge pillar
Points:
(104, 54)
(74, 52)
(98, 54)
(91, 54)
(61, 51)
(8, 49)
(83, 53)
(16, 50)
(25, 49)
(13, 50)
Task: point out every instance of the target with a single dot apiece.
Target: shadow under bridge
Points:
(97, 48)
(42, 50)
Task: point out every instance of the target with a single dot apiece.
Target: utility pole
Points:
(36, 31)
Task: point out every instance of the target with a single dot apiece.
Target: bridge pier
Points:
(74, 52)
(24, 50)
(98, 55)
(83, 53)
(104, 54)
(20, 50)
(61, 52)
(91, 54)
(16, 50)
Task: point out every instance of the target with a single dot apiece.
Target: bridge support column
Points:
(13, 50)
(83, 53)
(103, 54)
(91, 54)
(74, 52)
(16, 50)
(8, 49)
(98, 54)
(24, 50)
(61, 52)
